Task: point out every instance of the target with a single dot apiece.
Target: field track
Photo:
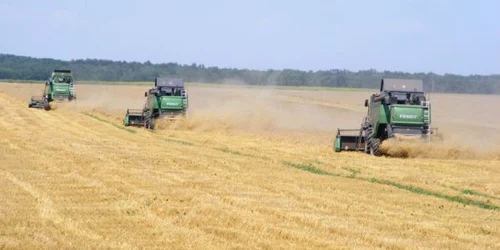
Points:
(74, 177)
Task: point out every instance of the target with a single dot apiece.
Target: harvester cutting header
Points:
(168, 99)
(401, 110)
(59, 87)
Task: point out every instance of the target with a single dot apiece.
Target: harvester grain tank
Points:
(400, 110)
(59, 87)
(167, 100)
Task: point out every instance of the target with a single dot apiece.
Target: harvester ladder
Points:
(72, 88)
(363, 124)
(427, 115)
(358, 143)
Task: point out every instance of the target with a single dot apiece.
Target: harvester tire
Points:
(368, 138)
(375, 147)
(372, 144)
(150, 124)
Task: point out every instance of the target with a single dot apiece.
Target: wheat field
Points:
(249, 169)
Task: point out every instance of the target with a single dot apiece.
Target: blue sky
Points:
(442, 36)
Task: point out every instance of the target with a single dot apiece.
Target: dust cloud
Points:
(467, 122)
(469, 127)
(266, 112)
(434, 150)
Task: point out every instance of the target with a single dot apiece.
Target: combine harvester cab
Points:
(59, 87)
(401, 111)
(167, 100)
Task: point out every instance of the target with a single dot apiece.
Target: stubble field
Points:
(250, 168)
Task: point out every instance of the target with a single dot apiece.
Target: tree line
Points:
(29, 68)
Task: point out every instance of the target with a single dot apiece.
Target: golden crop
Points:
(249, 169)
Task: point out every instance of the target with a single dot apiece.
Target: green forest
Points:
(29, 68)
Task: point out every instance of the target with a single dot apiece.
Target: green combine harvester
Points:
(401, 110)
(59, 87)
(167, 100)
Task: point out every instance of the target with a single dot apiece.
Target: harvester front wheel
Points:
(150, 124)
(372, 145)
(375, 147)
(368, 134)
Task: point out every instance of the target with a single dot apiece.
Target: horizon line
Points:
(262, 70)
